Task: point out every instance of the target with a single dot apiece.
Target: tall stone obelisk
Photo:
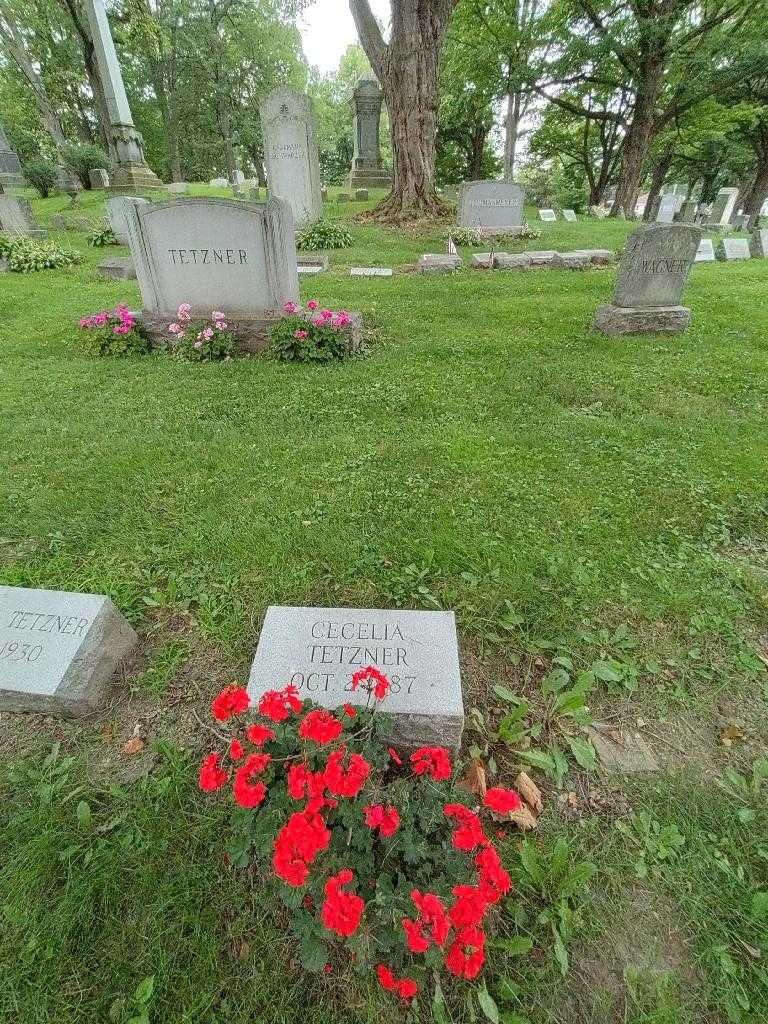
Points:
(10, 165)
(130, 170)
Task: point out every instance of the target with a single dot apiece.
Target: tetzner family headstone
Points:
(318, 650)
(235, 256)
(492, 207)
(290, 152)
(653, 272)
(58, 651)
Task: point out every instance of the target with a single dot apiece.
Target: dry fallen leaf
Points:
(523, 818)
(474, 780)
(107, 732)
(730, 734)
(135, 745)
(530, 792)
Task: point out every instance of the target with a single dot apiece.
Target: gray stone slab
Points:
(622, 750)
(439, 263)
(705, 252)
(342, 197)
(723, 207)
(10, 165)
(599, 257)
(512, 261)
(118, 269)
(483, 260)
(570, 215)
(291, 153)
(667, 209)
(312, 259)
(547, 215)
(759, 243)
(541, 257)
(99, 177)
(179, 188)
(733, 249)
(58, 650)
(117, 217)
(361, 194)
(16, 217)
(611, 319)
(236, 256)
(655, 265)
(491, 204)
(308, 269)
(319, 649)
(571, 261)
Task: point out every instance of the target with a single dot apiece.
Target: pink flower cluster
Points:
(184, 315)
(324, 318)
(120, 319)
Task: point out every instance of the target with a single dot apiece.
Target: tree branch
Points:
(370, 34)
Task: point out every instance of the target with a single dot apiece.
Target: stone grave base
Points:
(252, 335)
(514, 230)
(370, 179)
(439, 263)
(313, 259)
(126, 179)
(118, 269)
(612, 319)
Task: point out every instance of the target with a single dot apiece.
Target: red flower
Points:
(211, 776)
(297, 845)
(432, 924)
(232, 700)
(381, 688)
(469, 832)
(470, 906)
(236, 750)
(394, 756)
(303, 782)
(349, 782)
(321, 727)
(466, 956)
(247, 792)
(502, 801)
(341, 911)
(350, 711)
(406, 988)
(432, 761)
(259, 734)
(494, 880)
(277, 705)
(386, 820)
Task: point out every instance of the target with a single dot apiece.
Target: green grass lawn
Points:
(566, 493)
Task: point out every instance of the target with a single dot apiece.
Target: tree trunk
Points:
(48, 115)
(660, 171)
(407, 68)
(83, 33)
(511, 134)
(638, 138)
(171, 128)
(476, 152)
(758, 193)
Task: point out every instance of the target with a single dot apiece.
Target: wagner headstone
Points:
(291, 154)
(58, 650)
(492, 207)
(651, 278)
(319, 649)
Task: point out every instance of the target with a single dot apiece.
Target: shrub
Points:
(83, 159)
(41, 174)
(309, 336)
(474, 236)
(101, 237)
(25, 255)
(383, 862)
(323, 234)
(114, 333)
(201, 341)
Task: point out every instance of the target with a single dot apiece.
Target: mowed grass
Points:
(489, 454)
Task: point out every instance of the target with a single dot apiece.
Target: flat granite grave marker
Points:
(439, 263)
(58, 650)
(653, 272)
(492, 207)
(98, 177)
(733, 249)
(570, 215)
(290, 152)
(319, 649)
(547, 215)
(370, 271)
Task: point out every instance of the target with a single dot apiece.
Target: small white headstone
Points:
(547, 215)
(371, 271)
(450, 248)
(667, 209)
(569, 215)
(309, 268)
(58, 650)
(706, 251)
(736, 249)
(319, 649)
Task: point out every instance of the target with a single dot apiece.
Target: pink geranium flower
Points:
(313, 304)
(300, 334)
(291, 307)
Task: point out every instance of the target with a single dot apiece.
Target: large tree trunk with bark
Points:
(660, 171)
(83, 32)
(407, 68)
(638, 139)
(511, 133)
(758, 193)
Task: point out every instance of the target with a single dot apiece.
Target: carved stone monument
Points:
(653, 272)
(117, 216)
(492, 207)
(129, 168)
(367, 170)
(290, 152)
(10, 165)
(16, 217)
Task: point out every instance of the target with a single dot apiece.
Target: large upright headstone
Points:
(367, 169)
(235, 256)
(16, 217)
(723, 207)
(492, 207)
(117, 215)
(653, 272)
(290, 152)
(318, 650)
(58, 651)
(10, 165)
(667, 209)
(759, 244)
(130, 169)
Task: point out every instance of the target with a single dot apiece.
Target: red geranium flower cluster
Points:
(297, 845)
(347, 781)
(431, 926)
(381, 687)
(432, 761)
(341, 911)
(231, 701)
(211, 776)
(246, 791)
(406, 988)
(259, 734)
(466, 956)
(385, 819)
(502, 801)
(320, 726)
(469, 833)
(277, 705)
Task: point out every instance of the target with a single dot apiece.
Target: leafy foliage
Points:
(83, 159)
(27, 255)
(202, 341)
(473, 237)
(114, 333)
(41, 174)
(102, 237)
(324, 234)
(309, 336)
